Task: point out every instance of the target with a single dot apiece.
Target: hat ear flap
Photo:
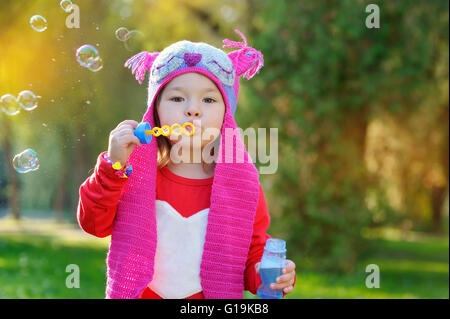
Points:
(141, 63)
(246, 61)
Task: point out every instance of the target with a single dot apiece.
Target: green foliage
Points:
(326, 74)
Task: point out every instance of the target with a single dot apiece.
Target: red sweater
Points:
(100, 193)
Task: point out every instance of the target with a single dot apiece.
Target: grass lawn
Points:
(34, 255)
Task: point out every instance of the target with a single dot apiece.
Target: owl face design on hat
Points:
(189, 54)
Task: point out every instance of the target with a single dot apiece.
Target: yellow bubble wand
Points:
(144, 131)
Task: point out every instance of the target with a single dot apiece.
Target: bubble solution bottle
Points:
(271, 267)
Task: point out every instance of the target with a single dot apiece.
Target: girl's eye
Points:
(180, 99)
(211, 100)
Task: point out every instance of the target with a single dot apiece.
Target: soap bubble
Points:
(97, 65)
(9, 105)
(27, 100)
(88, 57)
(134, 39)
(26, 161)
(121, 34)
(66, 5)
(38, 23)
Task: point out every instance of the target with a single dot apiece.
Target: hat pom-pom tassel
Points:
(140, 64)
(247, 61)
(256, 64)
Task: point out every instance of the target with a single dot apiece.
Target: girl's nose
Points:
(193, 113)
(193, 109)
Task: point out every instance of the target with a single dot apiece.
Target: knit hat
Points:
(235, 189)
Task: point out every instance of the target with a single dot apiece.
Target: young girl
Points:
(182, 228)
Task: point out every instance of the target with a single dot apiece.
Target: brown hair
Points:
(164, 145)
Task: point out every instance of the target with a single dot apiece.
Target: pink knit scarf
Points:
(234, 198)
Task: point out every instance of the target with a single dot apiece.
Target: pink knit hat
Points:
(235, 189)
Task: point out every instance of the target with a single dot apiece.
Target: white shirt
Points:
(178, 252)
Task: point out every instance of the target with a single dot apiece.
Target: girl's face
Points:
(192, 97)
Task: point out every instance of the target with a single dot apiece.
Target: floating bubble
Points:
(66, 5)
(38, 23)
(97, 65)
(27, 100)
(133, 40)
(121, 34)
(86, 55)
(26, 161)
(9, 105)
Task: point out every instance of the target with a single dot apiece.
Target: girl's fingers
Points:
(130, 139)
(125, 131)
(280, 286)
(125, 124)
(257, 265)
(283, 283)
(288, 289)
(290, 266)
(288, 271)
(131, 123)
(286, 278)
(128, 129)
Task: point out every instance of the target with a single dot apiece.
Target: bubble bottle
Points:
(271, 267)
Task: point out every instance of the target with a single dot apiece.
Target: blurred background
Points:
(363, 118)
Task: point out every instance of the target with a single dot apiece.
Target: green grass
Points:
(34, 256)
(404, 273)
(34, 266)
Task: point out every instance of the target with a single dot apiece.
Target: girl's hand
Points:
(285, 281)
(122, 141)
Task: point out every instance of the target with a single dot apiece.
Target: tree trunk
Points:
(437, 200)
(80, 167)
(13, 180)
(60, 197)
(438, 192)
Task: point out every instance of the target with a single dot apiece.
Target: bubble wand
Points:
(144, 131)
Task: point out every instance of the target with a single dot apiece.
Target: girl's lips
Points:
(196, 125)
(197, 129)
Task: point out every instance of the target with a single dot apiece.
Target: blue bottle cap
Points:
(275, 245)
(139, 132)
